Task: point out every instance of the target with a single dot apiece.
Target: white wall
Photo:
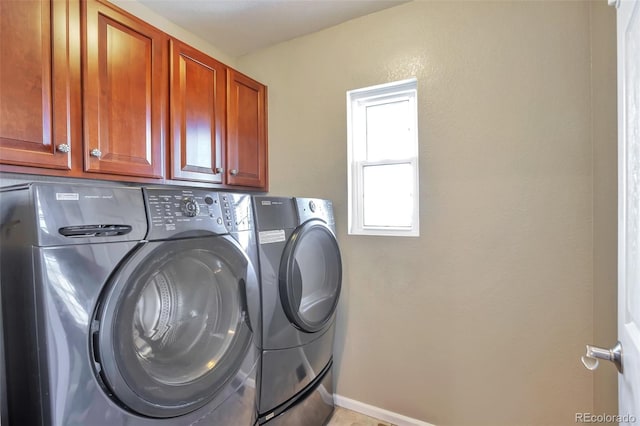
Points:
(605, 200)
(182, 34)
(482, 319)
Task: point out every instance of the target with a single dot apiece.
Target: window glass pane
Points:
(383, 150)
(388, 195)
(389, 131)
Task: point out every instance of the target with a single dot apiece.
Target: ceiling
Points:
(238, 27)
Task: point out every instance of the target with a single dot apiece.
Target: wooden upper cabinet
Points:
(125, 68)
(39, 83)
(85, 92)
(246, 131)
(198, 88)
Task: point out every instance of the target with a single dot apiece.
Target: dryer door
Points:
(172, 328)
(310, 276)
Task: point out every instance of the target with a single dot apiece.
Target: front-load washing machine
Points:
(301, 278)
(128, 306)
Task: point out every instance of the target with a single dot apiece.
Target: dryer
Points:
(301, 278)
(128, 306)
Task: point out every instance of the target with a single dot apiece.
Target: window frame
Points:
(357, 102)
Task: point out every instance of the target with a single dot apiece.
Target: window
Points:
(382, 123)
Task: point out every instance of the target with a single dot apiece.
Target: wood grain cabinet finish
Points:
(40, 83)
(112, 123)
(125, 71)
(246, 131)
(198, 119)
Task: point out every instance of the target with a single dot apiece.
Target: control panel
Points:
(193, 212)
(315, 208)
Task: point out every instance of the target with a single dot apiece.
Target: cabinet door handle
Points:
(219, 170)
(64, 148)
(95, 152)
(233, 172)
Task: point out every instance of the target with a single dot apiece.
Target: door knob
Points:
(219, 170)
(95, 152)
(234, 172)
(594, 353)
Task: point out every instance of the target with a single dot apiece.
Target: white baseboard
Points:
(376, 412)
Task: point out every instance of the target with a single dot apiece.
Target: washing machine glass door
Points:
(310, 276)
(173, 326)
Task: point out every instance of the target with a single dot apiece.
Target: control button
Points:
(208, 200)
(312, 206)
(190, 207)
(219, 220)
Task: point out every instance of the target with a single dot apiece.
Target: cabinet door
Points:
(39, 82)
(198, 87)
(125, 93)
(246, 131)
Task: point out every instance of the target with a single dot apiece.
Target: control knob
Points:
(190, 207)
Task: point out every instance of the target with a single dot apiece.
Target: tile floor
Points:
(343, 417)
